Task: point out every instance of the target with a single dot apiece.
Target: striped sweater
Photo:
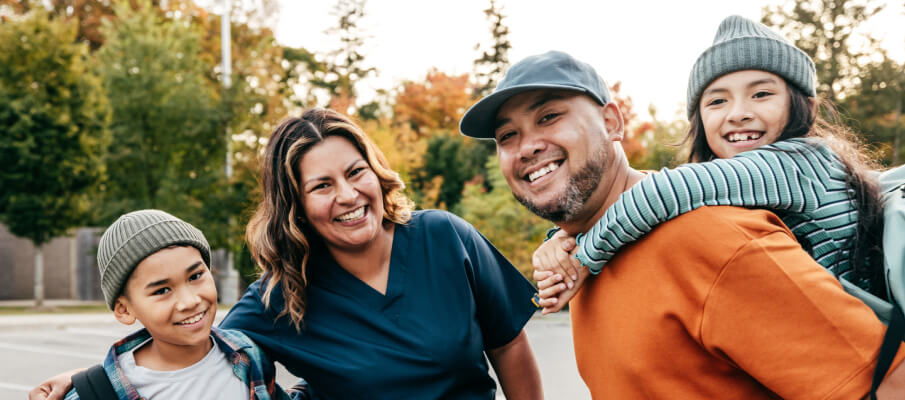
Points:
(802, 180)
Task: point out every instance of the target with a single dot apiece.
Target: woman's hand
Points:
(54, 388)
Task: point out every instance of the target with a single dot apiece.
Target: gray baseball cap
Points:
(553, 70)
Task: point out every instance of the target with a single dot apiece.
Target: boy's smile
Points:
(172, 293)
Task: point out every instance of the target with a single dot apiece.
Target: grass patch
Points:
(71, 309)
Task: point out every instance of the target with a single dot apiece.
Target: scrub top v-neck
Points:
(342, 282)
(450, 296)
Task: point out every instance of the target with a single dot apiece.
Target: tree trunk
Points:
(39, 275)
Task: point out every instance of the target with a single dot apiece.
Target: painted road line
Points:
(13, 386)
(97, 332)
(39, 350)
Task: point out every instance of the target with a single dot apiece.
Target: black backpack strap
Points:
(93, 384)
(895, 334)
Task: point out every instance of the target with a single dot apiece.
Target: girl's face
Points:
(342, 198)
(744, 110)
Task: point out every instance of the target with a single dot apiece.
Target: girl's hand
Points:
(554, 255)
(553, 294)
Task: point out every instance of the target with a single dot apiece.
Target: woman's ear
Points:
(122, 311)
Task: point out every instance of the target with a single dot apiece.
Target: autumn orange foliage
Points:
(436, 104)
(634, 128)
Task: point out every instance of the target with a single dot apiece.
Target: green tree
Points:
(431, 110)
(489, 69)
(54, 122)
(493, 62)
(514, 230)
(455, 161)
(168, 138)
(345, 66)
(824, 29)
(877, 105)
(261, 94)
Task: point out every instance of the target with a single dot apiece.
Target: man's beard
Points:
(581, 186)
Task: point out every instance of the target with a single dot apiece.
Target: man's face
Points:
(553, 150)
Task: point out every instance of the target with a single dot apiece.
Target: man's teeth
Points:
(543, 171)
(191, 320)
(737, 137)
(352, 215)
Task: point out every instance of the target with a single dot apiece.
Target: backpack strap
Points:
(895, 334)
(93, 384)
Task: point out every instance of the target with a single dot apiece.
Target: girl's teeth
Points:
(736, 137)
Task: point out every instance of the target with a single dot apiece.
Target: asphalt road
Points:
(33, 348)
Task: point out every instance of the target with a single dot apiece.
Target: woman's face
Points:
(744, 110)
(341, 194)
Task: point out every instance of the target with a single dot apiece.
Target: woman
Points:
(365, 298)
(362, 296)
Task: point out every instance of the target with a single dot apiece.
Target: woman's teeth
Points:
(543, 171)
(352, 215)
(192, 320)
(737, 137)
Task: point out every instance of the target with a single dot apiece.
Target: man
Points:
(720, 302)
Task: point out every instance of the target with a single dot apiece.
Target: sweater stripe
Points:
(802, 179)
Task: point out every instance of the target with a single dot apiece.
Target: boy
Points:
(154, 269)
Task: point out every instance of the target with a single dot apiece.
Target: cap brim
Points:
(478, 122)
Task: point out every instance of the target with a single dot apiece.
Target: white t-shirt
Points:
(210, 378)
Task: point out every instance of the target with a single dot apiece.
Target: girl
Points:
(758, 141)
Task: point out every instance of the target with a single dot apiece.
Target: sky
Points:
(649, 46)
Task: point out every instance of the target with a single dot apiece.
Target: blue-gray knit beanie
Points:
(742, 44)
(135, 236)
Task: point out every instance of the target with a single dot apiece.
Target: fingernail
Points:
(574, 277)
(569, 284)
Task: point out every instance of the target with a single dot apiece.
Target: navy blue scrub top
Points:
(450, 296)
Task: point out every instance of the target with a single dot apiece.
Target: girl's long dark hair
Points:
(806, 120)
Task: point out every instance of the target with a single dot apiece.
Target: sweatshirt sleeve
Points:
(786, 176)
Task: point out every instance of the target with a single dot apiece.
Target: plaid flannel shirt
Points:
(250, 365)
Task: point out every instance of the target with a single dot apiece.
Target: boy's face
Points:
(172, 293)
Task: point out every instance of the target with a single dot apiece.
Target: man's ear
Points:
(612, 119)
(123, 312)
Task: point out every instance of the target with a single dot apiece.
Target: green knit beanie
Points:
(135, 236)
(742, 44)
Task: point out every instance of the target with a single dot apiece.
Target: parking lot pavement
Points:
(35, 347)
